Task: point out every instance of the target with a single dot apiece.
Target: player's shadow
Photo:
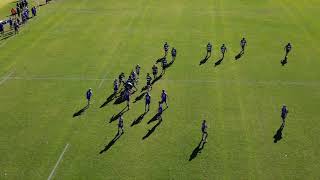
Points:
(197, 150)
(157, 78)
(205, 59)
(81, 111)
(111, 143)
(150, 131)
(6, 35)
(120, 99)
(278, 136)
(138, 98)
(115, 117)
(155, 117)
(217, 63)
(108, 100)
(238, 56)
(139, 119)
(284, 61)
(160, 59)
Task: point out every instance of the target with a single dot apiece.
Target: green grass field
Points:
(73, 45)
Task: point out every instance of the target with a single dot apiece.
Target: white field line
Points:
(248, 82)
(6, 77)
(60, 158)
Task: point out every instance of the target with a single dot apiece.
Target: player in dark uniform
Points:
(160, 110)
(149, 79)
(243, 44)
(204, 131)
(120, 126)
(209, 49)
(164, 98)
(166, 48)
(1, 28)
(138, 69)
(154, 71)
(115, 86)
(287, 48)
(121, 78)
(223, 50)
(173, 54)
(164, 64)
(148, 101)
(127, 97)
(88, 96)
(284, 113)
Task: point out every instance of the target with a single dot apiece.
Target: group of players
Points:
(130, 85)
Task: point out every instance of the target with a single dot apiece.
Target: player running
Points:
(164, 64)
(204, 127)
(173, 54)
(164, 98)
(120, 126)
(148, 101)
(166, 48)
(149, 79)
(243, 44)
(154, 71)
(209, 49)
(223, 50)
(127, 97)
(284, 113)
(287, 48)
(88, 96)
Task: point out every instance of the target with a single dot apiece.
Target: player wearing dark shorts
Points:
(164, 64)
(120, 126)
(284, 113)
(243, 44)
(88, 96)
(1, 28)
(164, 98)
(288, 48)
(160, 110)
(149, 79)
(121, 78)
(166, 48)
(127, 98)
(173, 54)
(204, 131)
(154, 71)
(209, 49)
(148, 101)
(223, 50)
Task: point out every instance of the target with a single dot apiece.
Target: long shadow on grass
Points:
(138, 98)
(150, 131)
(197, 150)
(139, 119)
(157, 79)
(205, 59)
(6, 35)
(81, 111)
(115, 117)
(111, 143)
(218, 62)
(238, 56)
(109, 99)
(278, 136)
(284, 61)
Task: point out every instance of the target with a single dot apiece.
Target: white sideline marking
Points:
(6, 77)
(271, 82)
(60, 158)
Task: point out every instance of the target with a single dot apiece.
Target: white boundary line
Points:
(6, 77)
(60, 158)
(271, 82)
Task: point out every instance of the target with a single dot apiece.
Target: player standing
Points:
(138, 69)
(173, 54)
(88, 96)
(160, 110)
(223, 50)
(148, 101)
(243, 44)
(284, 113)
(121, 78)
(209, 49)
(287, 48)
(164, 98)
(166, 48)
(120, 126)
(149, 79)
(115, 86)
(154, 71)
(127, 97)
(204, 127)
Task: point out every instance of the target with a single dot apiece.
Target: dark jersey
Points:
(204, 127)
(243, 43)
(148, 99)
(288, 47)
(284, 112)
(209, 47)
(89, 94)
(154, 70)
(149, 79)
(166, 47)
(174, 52)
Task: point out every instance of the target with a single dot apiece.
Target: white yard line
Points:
(60, 158)
(225, 82)
(6, 77)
